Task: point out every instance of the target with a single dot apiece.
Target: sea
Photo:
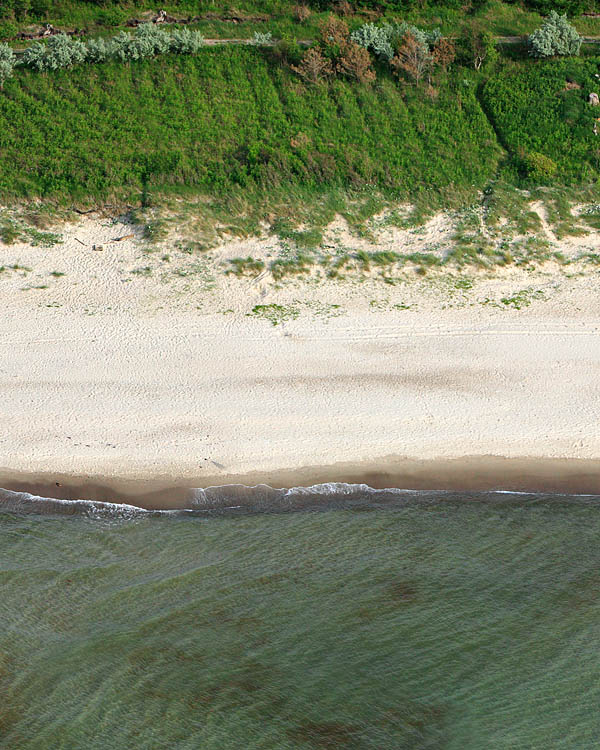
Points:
(334, 616)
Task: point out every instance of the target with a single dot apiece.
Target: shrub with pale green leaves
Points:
(60, 51)
(375, 39)
(556, 36)
(119, 47)
(261, 38)
(98, 51)
(149, 40)
(384, 40)
(186, 42)
(7, 63)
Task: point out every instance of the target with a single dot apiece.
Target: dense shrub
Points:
(98, 51)
(60, 51)
(119, 47)
(148, 40)
(383, 41)
(186, 42)
(540, 168)
(376, 39)
(556, 36)
(7, 63)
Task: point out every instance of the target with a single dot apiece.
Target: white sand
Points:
(163, 373)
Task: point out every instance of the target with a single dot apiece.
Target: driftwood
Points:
(42, 32)
(162, 17)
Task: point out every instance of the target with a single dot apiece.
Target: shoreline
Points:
(470, 474)
(134, 376)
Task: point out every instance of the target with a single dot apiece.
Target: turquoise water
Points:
(428, 621)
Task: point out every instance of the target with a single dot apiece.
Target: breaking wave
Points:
(239, 499)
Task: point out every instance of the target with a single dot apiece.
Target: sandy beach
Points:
(110, 376)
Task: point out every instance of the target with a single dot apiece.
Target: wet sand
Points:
(564, 476)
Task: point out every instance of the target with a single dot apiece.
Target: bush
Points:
(7, 63)
(148, 40)
(261, 38)
(119, 47)
(186, 42)
(540, 168)
(61, 51)
(98, 51)
(384, 40)
(555, 37)
(375, 39)
(287, 51)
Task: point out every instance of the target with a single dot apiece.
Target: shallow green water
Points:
(439, 624)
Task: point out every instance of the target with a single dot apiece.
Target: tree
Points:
(556, 36)
(313, 67)
(355, 62)
(346, 56)
(413, 57)
(477, 47)
(444, 52)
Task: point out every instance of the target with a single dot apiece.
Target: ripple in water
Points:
(389, 619)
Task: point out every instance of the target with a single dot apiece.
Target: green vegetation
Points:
(523, 298)
(542, 117)
(229, 118)
(556, 36)
(246, 266)
(17, 228)
(406, 102)
(275, 314)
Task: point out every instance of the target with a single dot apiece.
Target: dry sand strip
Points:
(188, 399)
